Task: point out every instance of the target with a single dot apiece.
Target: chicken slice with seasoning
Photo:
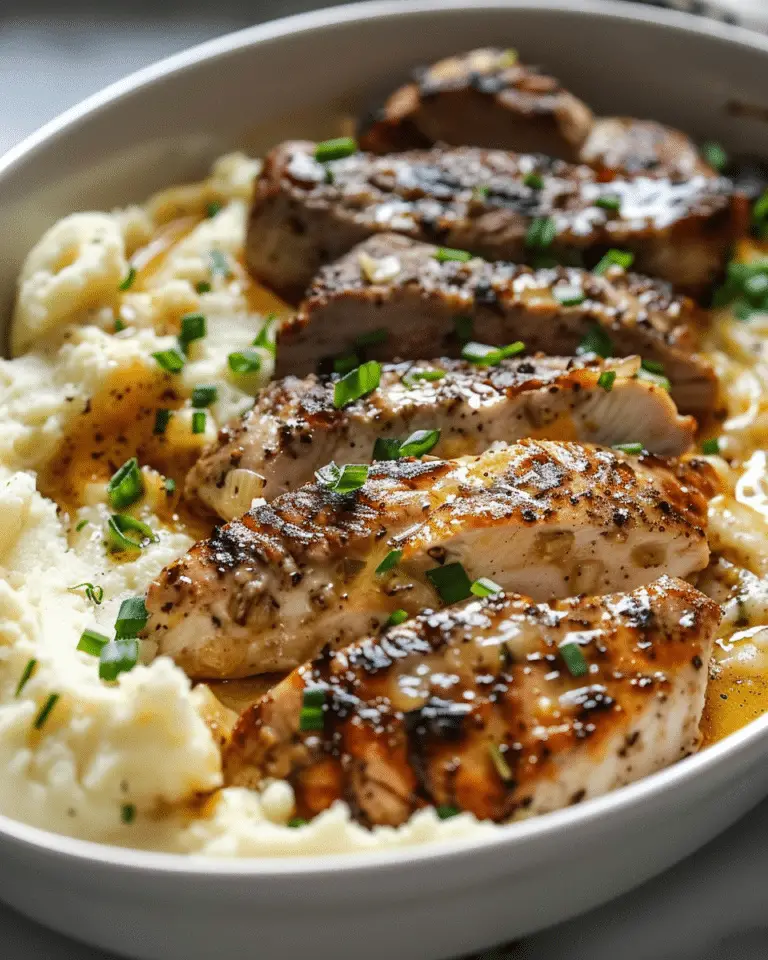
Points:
(307, 212)
(451, 408)
(395, 296)
(318, 566)
(502, 707)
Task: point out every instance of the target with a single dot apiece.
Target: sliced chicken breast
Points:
(394, 291)
(487, 98)
(501, 707)
(543, 518)
(294, 427)
(498, 205)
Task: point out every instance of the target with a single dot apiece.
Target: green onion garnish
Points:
(485, 587)
(541, 233)
(715, 156)
(344, 479)
(198, 421)
(464, 327)
(127, 282)
(414, 376)
(445, 812)
(26, 676)
(419, 443)
(609, 202)
(445, 254)
(396, 618)
(711, 447)
(93, 593)
(335, 149)
(81, 526)
(128, 810)
(371, 339)
(219, 264)
(499, 762)
(571, 652)
(193, 327)
(162, 419)
(212, 208)
(170, 486)
(116, 657)
(606, 380)
(119, 525)
(653, 366)
(389, 562)
(357, 383)
(615, 258)
(632, 448)
(451, 582)
(311, 716)
(596, 341)
(244, 361)
(386, 448)
(533, 180)
(265, 339)
(46, 710)
(131, 618)
(295, 822)
(204, 396)
(119, 325)
(345, 363)
(92, 642)
(203, 287)
(658, 380)
(568, 295)
(170, 360)
(126, 486)
(483, 355)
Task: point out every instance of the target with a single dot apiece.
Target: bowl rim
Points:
(549, 826)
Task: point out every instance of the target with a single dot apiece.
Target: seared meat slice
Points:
(484, 98)
(487, 98)
(501, 707)
(306, 213)
(544, 518)
(418, 302)
(294, 427)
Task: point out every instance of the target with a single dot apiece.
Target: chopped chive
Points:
(204, 396)
(119, 525)
(446, 254)
(606, 380)
(711, 447)
(344, 479)
(345, 363)
(396, 618)
(311, 716)
(615, 258)
(91, 642)
(481, 193)
(81, 526)
(485, 587)
(244, 361)
(265, 338)
(445, 812)
(118, 656)
(499, 762)
(609, 202)
(170, 486)
(653, 366)
(26, 676)
(357, 383)
(46, 710)
(389, 562)
(131, 618)
(127, 282)
(571, 652)
(93, 593)
(415, 376)
(568, 295)
(126, 485)
(464, 327)
(654, 378)
(119, 325)
(212, 208)
(419, 443)
(296, 822)
(162, 418)
(715, 155)
(335, 149)
(451, 582)
(533, 180)
(193, 327)
(203, 287)
(541, 233)
(170, 360)
(483, 355)
(386, 448)
(596, 341)
(128, 813)
(632, 448)
(372, 339)
(198, 421)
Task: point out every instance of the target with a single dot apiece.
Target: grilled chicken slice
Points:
(416, 300)
(306, 213)
(294, 427)
(502, 707)
(547, 519)
(487, 98)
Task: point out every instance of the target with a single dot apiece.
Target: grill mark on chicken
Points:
(485, 98)
(294, 427)
(306, 214)
(421, 714)
(418, 308)
(548, 519)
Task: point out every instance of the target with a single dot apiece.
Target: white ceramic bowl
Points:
(164, 125)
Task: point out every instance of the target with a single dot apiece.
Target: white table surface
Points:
(714, 906)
